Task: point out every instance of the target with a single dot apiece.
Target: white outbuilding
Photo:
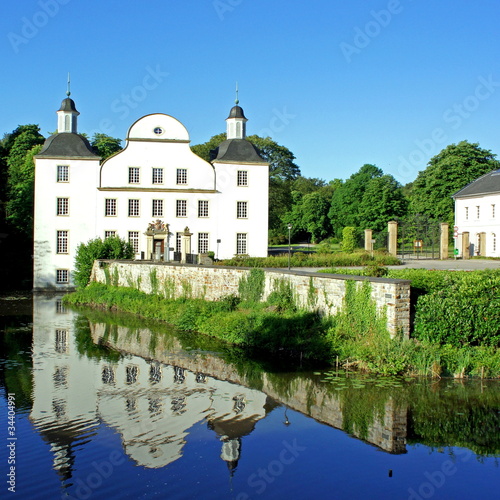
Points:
(155, 193)
(477, 218)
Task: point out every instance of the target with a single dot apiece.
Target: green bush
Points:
(87, 253)
(348, 239)
(465, 312)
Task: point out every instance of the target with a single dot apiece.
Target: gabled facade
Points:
(477, 217)
(155, 193)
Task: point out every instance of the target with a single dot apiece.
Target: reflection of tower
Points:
(64, 417)
(231, 451)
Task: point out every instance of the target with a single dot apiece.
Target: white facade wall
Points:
(479, 215)
(81, 223)
(255, 194)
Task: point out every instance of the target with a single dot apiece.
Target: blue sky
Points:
(340, 83)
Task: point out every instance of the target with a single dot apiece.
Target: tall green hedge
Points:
(465, 311)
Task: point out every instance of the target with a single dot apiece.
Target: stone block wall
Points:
(313, 291)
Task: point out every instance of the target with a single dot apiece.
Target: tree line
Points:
(317, 209)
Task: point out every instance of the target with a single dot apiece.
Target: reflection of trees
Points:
(466, 415)
(446, 413)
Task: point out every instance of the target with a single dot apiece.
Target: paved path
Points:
(450, 264)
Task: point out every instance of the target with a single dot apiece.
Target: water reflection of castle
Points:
(153, 393)
(152, 405)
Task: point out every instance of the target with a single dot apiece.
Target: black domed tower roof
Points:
(68, 105)
(237, 112)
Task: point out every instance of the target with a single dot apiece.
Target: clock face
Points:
(158, 131)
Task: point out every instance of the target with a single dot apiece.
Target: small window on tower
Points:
(62, 173)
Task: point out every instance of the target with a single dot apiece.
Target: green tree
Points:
(382, 201)
(315, 218)
(20, 206)
(86, 253)
(449, 171)
(22, 145)
(344, 210)
(105, 146)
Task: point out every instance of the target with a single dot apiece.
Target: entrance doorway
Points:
(158, 248)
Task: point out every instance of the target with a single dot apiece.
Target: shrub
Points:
(348, 239)
(87, 253)
(251, 287)
(282, 296)
(464, 312)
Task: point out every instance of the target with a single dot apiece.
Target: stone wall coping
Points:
(343, 277)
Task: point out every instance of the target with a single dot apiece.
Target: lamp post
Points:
(289, 246)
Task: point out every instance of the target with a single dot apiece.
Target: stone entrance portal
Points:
(158, 241)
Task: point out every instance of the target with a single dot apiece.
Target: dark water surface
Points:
(105, 406)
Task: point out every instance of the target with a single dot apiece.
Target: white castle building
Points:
(477, 217)
(155, 193)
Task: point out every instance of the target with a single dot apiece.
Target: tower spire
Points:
(67, 113)
(236, 121)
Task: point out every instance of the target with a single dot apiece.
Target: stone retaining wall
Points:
(313, 291)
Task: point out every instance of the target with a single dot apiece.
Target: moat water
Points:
(103, 406)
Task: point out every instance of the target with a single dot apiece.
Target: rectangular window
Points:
(477, 212)
(133, 208)
(178, 242)
(494, 242)
(62, 206)
(241, 209)
(110, 207)
(492, 211)
(133, 175)
(242, 178)
(133, 239)
(61, 341)
(62, 173)
(466, 213)
(157, 208)
(62, 276)
(241, 243)
(181, 208)
(157, 175)
(109, 234)
(60, 309)
(202, 208)
(202, 242)
(182, 176)
(62, 241)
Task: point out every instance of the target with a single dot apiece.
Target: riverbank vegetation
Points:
(456, 330)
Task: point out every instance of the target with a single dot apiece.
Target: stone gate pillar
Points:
(368, 240)
(465, 245)
(185, 244)
(444, 241)
(392, 244)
